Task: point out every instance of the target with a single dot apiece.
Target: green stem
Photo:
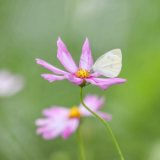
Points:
(80, 144)
(105, 123)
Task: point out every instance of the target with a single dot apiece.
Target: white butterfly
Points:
(109, 64)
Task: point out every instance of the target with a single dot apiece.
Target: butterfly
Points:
(109, 64)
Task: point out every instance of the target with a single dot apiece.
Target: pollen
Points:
(82, 73)
(74, 112)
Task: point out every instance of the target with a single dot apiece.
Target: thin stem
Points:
(80, 144)
(105, 123)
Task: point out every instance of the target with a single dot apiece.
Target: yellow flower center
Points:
(74, 112)
(82, 73)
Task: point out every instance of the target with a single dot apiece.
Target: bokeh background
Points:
(29, 30)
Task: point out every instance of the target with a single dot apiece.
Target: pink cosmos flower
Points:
(64, 121)
(77, 75)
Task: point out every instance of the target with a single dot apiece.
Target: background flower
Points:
(10, 84)
(63, 121)
(77, 76)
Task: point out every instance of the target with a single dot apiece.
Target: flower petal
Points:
(41, 130)
(55, 131)
(42, 121)
(101, 114)
(104, 83)
(93, 102)
(52, 129)
(95, 74)
(101, 85)
(105, 115)
(50, 67)
(86, 59)
(56, 112)
(51, 77)
(74, 79)
(71, 126)
(65, 58)
(48, 126)
(110, 80)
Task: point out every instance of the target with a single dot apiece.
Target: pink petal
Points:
(48, 126)
(95, 74)
(42, 121)
(71, 126)
(96, 84)
(51, 77)
(100, 103)
(56, 112)
(110, 80)
(105, 115)
(104, 83)
(86, 59)
(93, 102)
(41, 130)
(74, 79)
(52, 129)
(65, 58)
(55, 131)
(50, 67)
(89, 100)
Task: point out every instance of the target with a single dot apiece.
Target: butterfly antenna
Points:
(86, 62)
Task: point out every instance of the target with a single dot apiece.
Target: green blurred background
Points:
(29, 29)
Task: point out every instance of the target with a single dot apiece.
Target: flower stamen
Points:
(82, 73)
(74, 112)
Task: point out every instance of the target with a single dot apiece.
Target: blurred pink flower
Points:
(63, 121)
(77, 76)
(10, 84)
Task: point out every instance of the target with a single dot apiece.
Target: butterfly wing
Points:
(109, 64)
(116, 52)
